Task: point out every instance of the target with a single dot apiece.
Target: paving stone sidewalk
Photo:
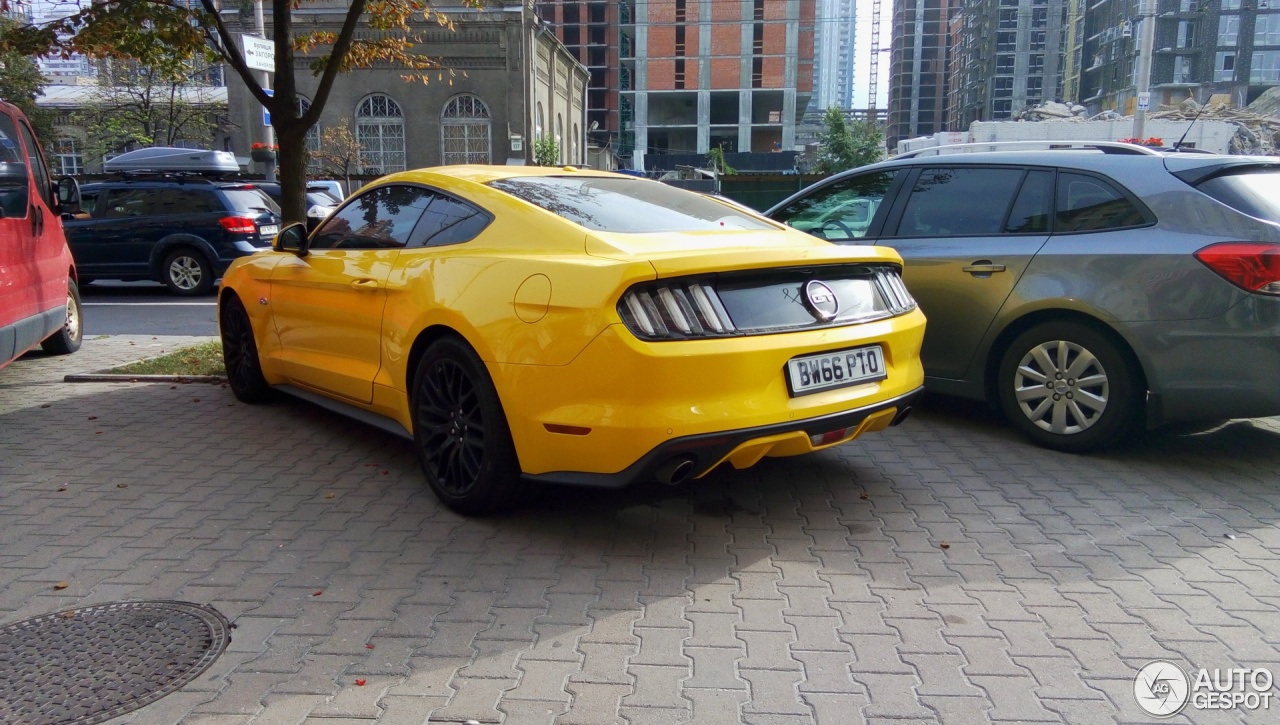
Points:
(944, 571)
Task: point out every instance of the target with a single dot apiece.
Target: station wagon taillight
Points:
(238, 224)
(1252, 266)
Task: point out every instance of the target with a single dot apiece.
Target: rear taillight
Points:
(677, 309)
(239, 224)
(1252, 266)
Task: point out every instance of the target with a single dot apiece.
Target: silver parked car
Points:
(1088, 291)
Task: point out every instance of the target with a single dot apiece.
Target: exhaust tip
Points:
(901, 416)
(675, 470)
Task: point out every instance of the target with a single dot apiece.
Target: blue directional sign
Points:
(266, 115)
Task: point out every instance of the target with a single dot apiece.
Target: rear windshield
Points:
(250, 200)
(627, 205)
(1255, 191)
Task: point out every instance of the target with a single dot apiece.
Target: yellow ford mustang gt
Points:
(526, 325)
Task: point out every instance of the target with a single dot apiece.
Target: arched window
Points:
(575, 158)
(541, 126)
(560, 139)
(380, 133)
(464, 131)
(312, 139)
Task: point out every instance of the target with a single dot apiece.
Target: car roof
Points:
(484, 174)
(1075, 159)
(179, 179)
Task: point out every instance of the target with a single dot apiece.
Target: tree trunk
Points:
(292, 169)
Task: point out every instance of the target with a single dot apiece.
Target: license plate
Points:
(836, 369)
(269, 230)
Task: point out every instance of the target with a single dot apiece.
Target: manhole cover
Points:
(91, 664)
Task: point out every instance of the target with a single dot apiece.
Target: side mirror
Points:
(68, 195)
(293, 238)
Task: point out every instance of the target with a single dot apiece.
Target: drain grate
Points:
(91, 664)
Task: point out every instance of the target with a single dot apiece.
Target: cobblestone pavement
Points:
(943, 571)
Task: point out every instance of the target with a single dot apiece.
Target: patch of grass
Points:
(202, 359)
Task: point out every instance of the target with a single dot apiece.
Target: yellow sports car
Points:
(527, 325)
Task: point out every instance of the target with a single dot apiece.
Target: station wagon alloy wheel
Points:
(1068, 386)
(1061, 387)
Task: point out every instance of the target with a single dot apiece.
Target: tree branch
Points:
(225, 45)
(336, 56)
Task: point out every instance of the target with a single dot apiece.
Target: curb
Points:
(107, 378)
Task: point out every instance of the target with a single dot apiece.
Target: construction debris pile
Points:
(1257, 125)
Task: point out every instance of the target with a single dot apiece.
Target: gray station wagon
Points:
(1087, 291)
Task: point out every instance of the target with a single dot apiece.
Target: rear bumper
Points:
(622, 398)
(745, 446)
(1221, 367)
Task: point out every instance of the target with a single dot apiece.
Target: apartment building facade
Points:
(1006, 55)
(919, 69)
(673, 77)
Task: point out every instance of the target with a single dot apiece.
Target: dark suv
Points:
(183, 231)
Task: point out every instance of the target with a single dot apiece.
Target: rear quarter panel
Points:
(1126, 278)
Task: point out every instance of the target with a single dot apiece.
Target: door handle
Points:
(983, 266)
(367, 284)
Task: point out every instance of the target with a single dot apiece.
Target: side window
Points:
(194, 201)
(179, 201)
(36, 161)
(1030, 212)
(1089, 204)
(840, 211)
(127, 203)
(448, 221)
(381, 218)
(15, 187)
(89, 203)
(957, 202)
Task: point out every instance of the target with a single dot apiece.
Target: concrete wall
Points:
(1208, 135)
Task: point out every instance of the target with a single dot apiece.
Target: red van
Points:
(39, 299)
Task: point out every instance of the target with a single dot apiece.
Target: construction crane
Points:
(873, 86)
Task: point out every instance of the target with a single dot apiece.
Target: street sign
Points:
(266, 115)
(1144, 101)
(259, 53)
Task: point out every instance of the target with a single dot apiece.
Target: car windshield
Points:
(1253, 191)
(320, 198)
(249, 199)
(627, 205)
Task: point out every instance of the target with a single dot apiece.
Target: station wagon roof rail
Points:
(1106, 147)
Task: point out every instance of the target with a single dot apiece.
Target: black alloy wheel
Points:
(461, 433)
(240, 353)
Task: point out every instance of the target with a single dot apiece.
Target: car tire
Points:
(461, 435)
(186, 272)
(1068, 387)
(68, 337)
(240, 353)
